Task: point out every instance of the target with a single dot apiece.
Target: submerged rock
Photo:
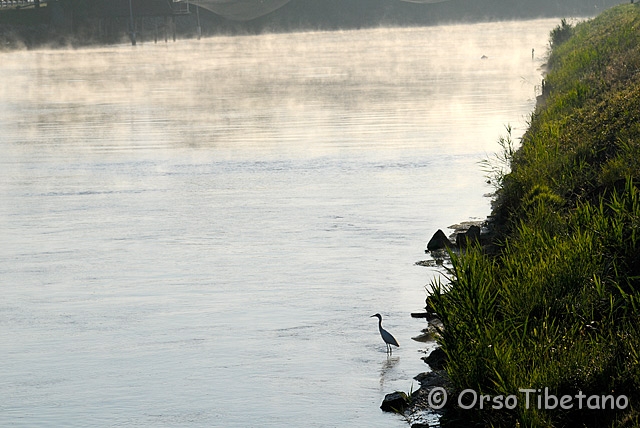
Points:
(395, 402)
(436, 359)
(464, 235)
(419, 314)
(472, 235)
(420, 409)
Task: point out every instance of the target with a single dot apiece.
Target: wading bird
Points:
(386, 336)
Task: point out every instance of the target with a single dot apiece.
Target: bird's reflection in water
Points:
(387, 369)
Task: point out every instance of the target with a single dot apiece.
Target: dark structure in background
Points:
(240, 10)
(159, 13)
(88, 21)
(78, 22)
(332, 14)
(109, 19)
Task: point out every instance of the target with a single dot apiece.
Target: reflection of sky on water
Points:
(196, 234)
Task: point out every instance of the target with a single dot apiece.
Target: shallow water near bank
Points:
(196, 233)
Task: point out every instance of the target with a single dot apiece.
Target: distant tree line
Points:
(330, 14)
(95, 21)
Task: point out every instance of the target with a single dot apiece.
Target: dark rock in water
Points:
(429, 305)
(425, 336)
(395, 402)
(439, 241)
(472, 235)
(429, 309)
(436, 359)
(421, 408)
(430, 380)
(473, 232)
(432, 316)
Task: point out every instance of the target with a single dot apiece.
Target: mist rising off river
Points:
(196, 233)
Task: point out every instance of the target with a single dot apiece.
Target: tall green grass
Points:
(559, 306)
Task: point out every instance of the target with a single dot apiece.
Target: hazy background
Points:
(87, 19)
(332, 14)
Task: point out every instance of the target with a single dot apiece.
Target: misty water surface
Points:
(196, 233)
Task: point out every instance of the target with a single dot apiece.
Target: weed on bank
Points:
(558, 308)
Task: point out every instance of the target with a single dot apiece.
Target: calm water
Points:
(196, 233)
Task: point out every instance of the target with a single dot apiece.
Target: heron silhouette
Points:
(386, 336)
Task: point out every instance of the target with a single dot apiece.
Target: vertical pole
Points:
(198, 18)
(132, 25)
(166, 24)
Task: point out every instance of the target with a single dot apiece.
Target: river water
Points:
(197, 233)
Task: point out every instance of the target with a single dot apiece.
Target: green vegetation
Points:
(558, 306)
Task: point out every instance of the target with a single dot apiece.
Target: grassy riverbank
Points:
(559, 306)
